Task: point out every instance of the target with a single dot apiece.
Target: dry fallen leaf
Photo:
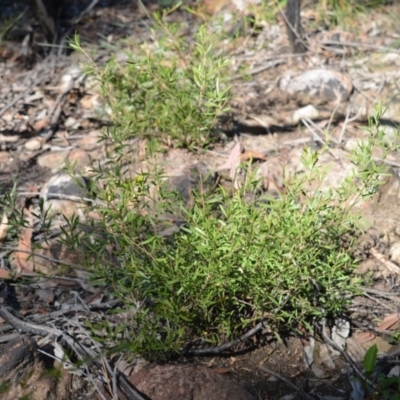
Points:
(252, 155)
(364, 337)
(41, 124)
(222, 370)
(213, 7)
(233, 163)
(233, 160)
(390, 322)
(4, 274)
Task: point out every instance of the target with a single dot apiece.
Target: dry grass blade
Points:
(3, 227)
(23, 257)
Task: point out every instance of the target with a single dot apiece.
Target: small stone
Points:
(54, 160)
(69, 77)
(392, 110)
(92, 102)
(5, 157)
(71, 123)
(309, 112)
(65, 185)
(80, 158)
(351, 144)
(33, 144)
(89, 142)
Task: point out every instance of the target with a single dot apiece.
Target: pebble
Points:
(53, 160)
(33, 144)
(89, 142)
(309, 112)
(80, 158)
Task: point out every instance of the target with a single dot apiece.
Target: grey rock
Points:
(319, 83)
(62, 194)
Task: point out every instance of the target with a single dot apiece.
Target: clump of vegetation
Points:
(283, 260)
(337, 12)
(172, 90)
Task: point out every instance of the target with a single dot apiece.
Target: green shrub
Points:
(285, 260)
(172, 90)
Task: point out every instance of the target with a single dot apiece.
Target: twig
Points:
(373, 328)
(305, 121)
(332, 116)
(84, 12)
(226, 346)
(273, 57)
(28, 327)
(299, 141)
(114, 378)
(386, 295)
(9, 337)
(246, 336)
(68, 264)
(344, 126)
(258, 70)
(61, 196)
(358, 45)
(312, 126)
(23, 94)
(74, 23)
(22, 326)
(387, 162)
(285, 380)
(67, 364)
(126, 387)
(345, 355)
(380, 303)
(260, 121)
(68, 308)
(55, 113)
(93, 382)
(143, 8)
(379, 91)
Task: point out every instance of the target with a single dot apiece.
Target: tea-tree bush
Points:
(283, 260)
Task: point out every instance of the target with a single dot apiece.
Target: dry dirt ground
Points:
(48, 116)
